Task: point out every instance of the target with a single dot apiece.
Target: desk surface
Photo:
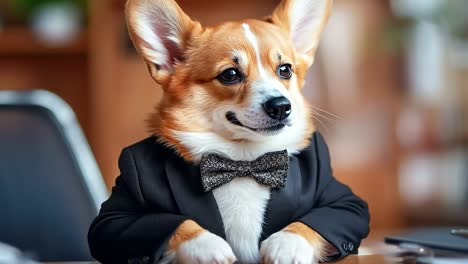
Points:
(372, 259)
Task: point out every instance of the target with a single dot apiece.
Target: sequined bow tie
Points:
(270, 169)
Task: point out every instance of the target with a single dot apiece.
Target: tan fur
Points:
(181, 108)
(322, 247)
(188, 230)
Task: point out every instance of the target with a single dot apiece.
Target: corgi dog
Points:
(233, 89)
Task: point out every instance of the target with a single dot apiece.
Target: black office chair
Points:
(50, 185)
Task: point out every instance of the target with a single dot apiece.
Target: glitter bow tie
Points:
(270, 169)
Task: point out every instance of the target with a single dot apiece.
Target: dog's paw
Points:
(285, 247)
(205, 248)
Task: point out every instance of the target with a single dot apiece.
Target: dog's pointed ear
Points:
(304, 20)
(159, 30)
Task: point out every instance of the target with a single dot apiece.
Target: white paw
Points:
(205, 248)
(286, 248)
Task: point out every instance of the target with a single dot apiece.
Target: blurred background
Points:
(389, 86)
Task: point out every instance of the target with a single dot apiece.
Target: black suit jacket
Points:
(157, 190)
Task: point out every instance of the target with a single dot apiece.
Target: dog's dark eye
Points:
(230, 76)
(285, 71)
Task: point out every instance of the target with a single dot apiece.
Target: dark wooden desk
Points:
(372, 259)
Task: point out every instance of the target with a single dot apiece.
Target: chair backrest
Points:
(50, 185)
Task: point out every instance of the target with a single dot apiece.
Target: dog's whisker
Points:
(320, 121)
(327, 118)
(325, 112)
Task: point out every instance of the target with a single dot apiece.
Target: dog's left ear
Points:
(304, 20)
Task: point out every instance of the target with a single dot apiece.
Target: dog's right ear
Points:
(159, 30)
(305, 21)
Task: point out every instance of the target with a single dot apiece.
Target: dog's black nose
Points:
(278, 108)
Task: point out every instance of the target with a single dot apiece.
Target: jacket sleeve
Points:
(338, 215)
(125, 228)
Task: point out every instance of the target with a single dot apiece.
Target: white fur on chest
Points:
(242, 203)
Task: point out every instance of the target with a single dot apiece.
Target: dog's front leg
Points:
(297, 243)
(190, 243)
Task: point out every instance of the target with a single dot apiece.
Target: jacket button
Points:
(350, 246)
(347, 246)
(344, 245)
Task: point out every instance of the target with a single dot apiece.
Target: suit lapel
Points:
(184, 179)
(283, 201)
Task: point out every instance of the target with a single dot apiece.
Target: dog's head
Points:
(232, 88)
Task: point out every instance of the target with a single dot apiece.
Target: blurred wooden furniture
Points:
(25, 63)
(19, 41)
